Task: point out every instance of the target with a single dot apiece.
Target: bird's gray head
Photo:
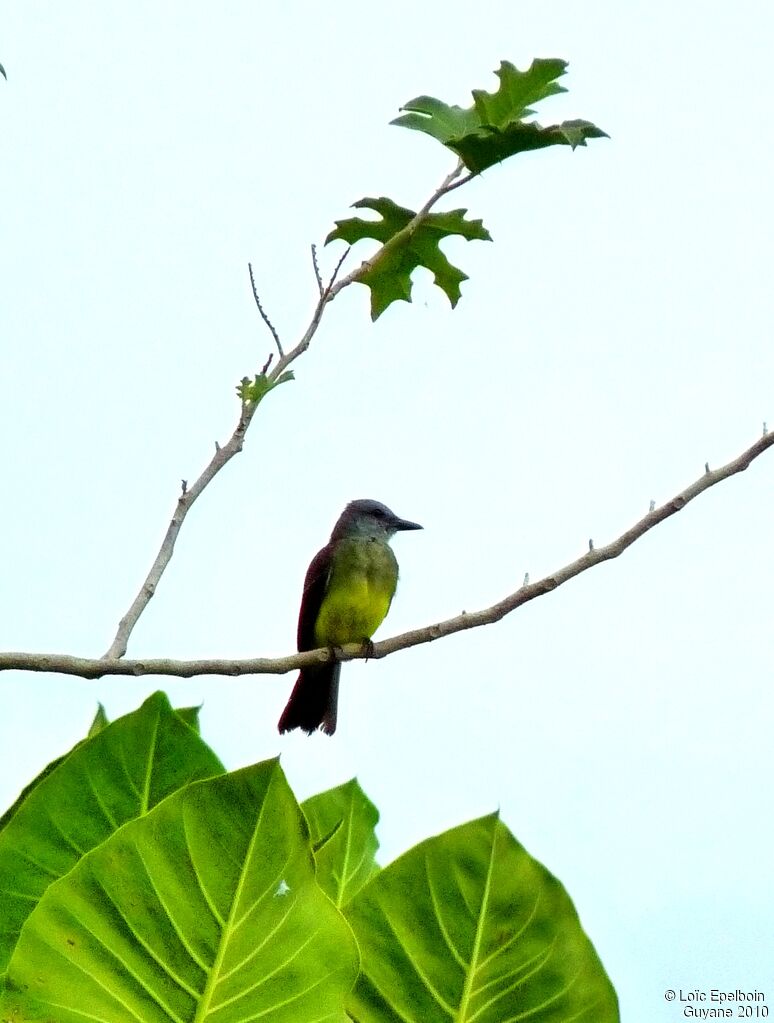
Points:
(370, 519)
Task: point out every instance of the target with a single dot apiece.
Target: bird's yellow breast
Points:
(359, 593)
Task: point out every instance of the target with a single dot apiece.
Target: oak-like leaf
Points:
(495, 127)
(255, 390)
(406, 247)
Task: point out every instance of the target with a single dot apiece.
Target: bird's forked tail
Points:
(314, 700)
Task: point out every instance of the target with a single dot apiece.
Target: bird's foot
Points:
(368, 648)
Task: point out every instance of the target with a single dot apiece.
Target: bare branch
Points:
(451, 182)
(457, 184)
(113, 664)
(264, 317)
(222, 456)
(97, 667)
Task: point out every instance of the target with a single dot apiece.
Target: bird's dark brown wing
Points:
(315, 585)
(312, 703)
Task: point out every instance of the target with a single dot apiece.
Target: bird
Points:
(348, 590)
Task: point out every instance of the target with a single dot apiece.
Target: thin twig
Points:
(114, 665)
(454, 180)
(335, 274)
(328, 294)
(264, 317)
(315, 264)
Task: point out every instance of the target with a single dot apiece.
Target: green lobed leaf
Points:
(342, 823)
(120, 773)
(517, 90)
(436, 118)
(205, 909)
(468, 926)
(388, 274)
(253, 390)
(494, 128)
(482, 150)
(256, 389)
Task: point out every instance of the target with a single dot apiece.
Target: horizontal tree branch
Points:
(86, 667)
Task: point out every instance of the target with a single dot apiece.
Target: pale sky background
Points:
(615, 336)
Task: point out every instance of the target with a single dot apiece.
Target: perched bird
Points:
(348, 590)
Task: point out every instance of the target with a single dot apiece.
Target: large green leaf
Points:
(121, 772)
(495, 128)
(388, 274)
(205, 909)
(467, 926)
(342, 824)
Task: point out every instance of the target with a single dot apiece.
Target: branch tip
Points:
(316, 266)
(264, 317)
(335, 273)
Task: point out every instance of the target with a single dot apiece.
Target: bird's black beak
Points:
(405, 524)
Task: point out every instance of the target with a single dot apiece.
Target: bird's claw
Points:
(368, 648)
